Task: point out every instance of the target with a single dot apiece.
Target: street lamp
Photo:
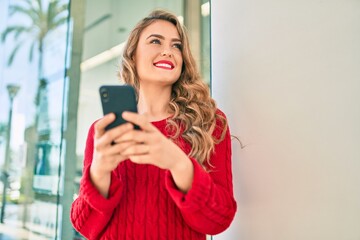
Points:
(12, 91)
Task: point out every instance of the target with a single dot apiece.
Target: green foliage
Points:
(3, 128)
(41, 22)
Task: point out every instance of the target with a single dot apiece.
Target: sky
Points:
(25, 74)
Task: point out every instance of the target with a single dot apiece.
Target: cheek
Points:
(180, 63)
(179, 59)
(178, 72)
(142, 63)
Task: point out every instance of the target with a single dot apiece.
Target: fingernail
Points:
(109, 115)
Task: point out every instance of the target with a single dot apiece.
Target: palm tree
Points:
(43, 20)
(44, 16)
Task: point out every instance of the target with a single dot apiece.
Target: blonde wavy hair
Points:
(194, 111)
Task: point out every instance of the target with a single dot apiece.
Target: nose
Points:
(166, 52)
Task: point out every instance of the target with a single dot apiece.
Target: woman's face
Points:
(158, 56)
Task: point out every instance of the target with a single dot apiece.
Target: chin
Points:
(162, 81)
(167, 82)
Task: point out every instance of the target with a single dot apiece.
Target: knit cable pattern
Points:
(144, 202)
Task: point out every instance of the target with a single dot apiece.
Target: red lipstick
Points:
(164, 64)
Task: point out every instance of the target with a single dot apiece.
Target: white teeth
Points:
(163, 65)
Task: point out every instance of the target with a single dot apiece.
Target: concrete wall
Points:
(287, 74)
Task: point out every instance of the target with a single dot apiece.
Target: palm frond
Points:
(55, 8)
(24, 31)
(36, 10)
(16, 9)
(30, 3)
(62, 8)
(59, 22)
(61, 12)
(40, 10)
(56, 14)
(44, 19)
(13, 53)
(16, 29)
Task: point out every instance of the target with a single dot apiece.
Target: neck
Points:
(154, 101)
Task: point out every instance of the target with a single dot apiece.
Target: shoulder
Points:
(221, 123)
(221, 119)
(218, 112)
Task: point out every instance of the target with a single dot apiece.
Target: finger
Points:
(102, 123)
(140, 159)
(116, 132)
(110, 136)
(135, 136)
(137, 119)
(119, 148)
(137, 149)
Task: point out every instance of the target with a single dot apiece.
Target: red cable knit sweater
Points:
(144, 202)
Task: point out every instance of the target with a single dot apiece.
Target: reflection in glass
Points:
(33, 53)
(33, 49)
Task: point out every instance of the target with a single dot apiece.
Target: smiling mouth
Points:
(164, 65)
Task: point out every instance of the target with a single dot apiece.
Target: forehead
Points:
(160, 27)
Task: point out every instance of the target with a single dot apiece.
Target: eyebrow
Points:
(162, 37)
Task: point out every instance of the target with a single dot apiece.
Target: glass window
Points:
(32, 79)
(40, 100)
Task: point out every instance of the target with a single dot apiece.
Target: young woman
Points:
(172, 179)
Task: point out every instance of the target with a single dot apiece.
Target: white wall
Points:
(287, 74)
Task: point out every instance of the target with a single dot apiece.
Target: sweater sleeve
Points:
(209, 206)
(91, 212)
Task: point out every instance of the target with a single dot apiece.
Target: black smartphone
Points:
(117, 99)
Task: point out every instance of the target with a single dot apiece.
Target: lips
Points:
(164, 64)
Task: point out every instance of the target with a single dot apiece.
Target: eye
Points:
(178, 46)
(155, 41)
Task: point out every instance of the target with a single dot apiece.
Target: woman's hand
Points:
(108, 152)
(150, 146)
